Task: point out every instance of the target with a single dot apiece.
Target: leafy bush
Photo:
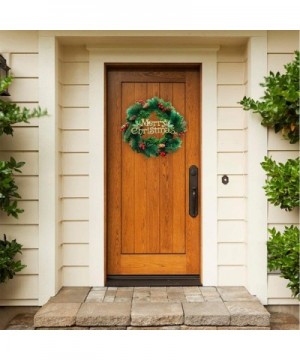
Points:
(282, 185)
(8, 187)
(279, 107)
(283, 255)
(11, 114)
(8, 266)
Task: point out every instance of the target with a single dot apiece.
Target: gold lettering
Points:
(146, 122)
(153, 127)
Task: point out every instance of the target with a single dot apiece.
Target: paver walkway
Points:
(153, 308)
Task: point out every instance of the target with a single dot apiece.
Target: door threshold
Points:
(152, 280)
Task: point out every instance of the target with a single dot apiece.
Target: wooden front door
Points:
(149, 229)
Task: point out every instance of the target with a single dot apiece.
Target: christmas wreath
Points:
(169, 123)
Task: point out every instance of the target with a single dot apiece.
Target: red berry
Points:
(142, 146)
(162, 153)
(124, 127)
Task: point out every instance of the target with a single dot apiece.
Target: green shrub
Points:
(279, 107)
(283, 255)
(11, 114)
(282, 185)
(8, 265)
(8, 187)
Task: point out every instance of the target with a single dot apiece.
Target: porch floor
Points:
(133, 308)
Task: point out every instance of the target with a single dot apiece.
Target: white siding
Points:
(232, 254)
(283, 42)
(75, 119)
(235, 187)
(232, 275)
(231, 119)
(74, 82)
(26, 234)
(278, 292)
(231, 162)
(232, 231)
(230, 95)
(75, 186)
(75, 275)
(75, 209)
(231, 208)
(23, 139)
(21, 51)
(75, 232)
(21, 287)
(25, 65)
(75, 164)
(75, 141)
(24, 90)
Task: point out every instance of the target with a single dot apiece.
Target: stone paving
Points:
(132, 308)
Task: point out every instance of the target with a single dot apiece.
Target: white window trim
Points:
(208, 58)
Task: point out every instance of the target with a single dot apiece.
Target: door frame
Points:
(192, 278)
(100, 56)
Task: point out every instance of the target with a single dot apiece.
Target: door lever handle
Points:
(193, 191)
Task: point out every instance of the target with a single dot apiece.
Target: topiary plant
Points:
(282, 185)
(279, 107)
(283, 255)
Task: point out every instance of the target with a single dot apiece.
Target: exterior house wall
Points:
(73, 247)
(22, 56)
(74, 106)
(231, 162)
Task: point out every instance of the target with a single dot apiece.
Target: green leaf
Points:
(8, 187)
(282, 184)
(11, 114)
(279, 107)
(9, 266)
(283, 255)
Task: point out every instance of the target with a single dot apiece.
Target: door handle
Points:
(193, 191)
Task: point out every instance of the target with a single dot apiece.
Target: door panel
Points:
(149, 230)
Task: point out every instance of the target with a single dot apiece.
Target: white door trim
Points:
(98, 58)
(49, 242)
(257, 208)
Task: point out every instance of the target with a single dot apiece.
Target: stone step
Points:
(213, 307)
